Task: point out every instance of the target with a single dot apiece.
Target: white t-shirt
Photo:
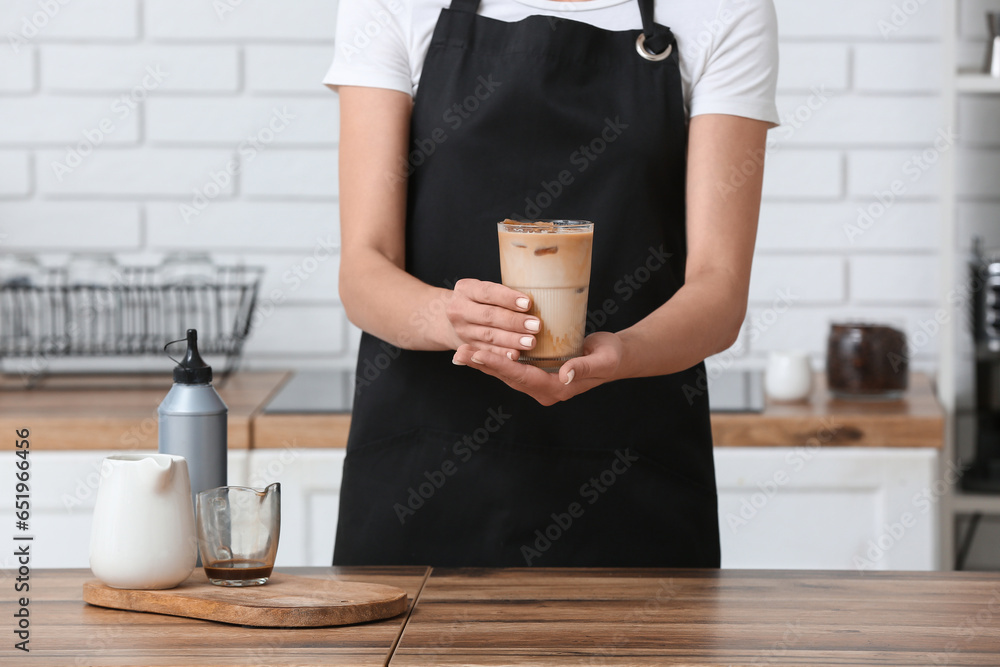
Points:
(728, 48)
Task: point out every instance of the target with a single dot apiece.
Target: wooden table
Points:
(561, 617)
(67, 631)
(723, 617)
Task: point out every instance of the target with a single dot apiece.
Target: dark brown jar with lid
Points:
(866, 361)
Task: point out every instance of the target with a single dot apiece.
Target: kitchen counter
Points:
(915, 421)
(88, 412)
(800, 486)
(559, 616)
(119, 411)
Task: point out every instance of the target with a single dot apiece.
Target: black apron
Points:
(446, 466)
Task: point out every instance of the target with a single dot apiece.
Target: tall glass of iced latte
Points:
(549, 260)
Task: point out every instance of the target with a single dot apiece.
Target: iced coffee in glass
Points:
(549, 260)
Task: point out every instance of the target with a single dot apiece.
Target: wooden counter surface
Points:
(65, 418)
(119, 412)
(915, 421)
(312, 430)
(67, 631)
(555, 617)
(703, 617)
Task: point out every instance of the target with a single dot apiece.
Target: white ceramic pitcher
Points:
(143, 534)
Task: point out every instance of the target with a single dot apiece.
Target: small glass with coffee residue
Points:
(238, 530)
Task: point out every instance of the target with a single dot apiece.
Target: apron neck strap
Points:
(471, 6)
(657, 38)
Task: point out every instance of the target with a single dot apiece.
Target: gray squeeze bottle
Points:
(192, 421)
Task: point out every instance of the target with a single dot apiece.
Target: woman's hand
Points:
(602, 356)
(491, 318)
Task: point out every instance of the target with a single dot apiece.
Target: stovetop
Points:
(736, 391)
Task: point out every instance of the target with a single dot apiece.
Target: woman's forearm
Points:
(377, 293)
(382, 299)
(703, 318)
(705, 315)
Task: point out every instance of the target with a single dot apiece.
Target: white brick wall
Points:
(57, 226)
(62, 120)
(851, 219)
(804, 175)
(46, 20)
(806, 64)
(279, 173)
(290, 20)
(881, 68)
(119, 68)
(865, 120)
(17, 71)
(859, 107)
(261, 226)
(850, 20)
(15, 166)
(874, 171)
(115, 115)
(287, 69)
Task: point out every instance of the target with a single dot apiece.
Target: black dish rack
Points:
(136, 314)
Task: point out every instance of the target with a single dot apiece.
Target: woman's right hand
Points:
(492, 317)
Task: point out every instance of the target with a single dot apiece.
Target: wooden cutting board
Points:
(285, 601)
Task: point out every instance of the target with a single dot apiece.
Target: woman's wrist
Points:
(433, 316)
(628, 364)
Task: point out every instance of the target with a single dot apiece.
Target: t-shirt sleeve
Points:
(741, 72)
(371, 45)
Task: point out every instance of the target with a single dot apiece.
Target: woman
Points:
(456, 116)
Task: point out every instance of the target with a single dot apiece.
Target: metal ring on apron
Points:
(640, 43)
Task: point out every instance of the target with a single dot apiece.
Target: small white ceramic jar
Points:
(788, 376)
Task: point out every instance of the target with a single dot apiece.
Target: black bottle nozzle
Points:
(192, 369)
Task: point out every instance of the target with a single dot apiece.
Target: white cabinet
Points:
(310, 500)
(64, 487)
(63, 490)
(828, 508)
(840, 508)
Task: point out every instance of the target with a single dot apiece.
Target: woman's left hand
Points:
(602, 356)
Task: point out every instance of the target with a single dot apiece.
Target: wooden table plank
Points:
(67, 631)
(119, 412)
(724, 617)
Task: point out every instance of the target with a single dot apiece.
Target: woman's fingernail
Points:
(476, 360)
(526, 341)
(455, 361)
(522, 303)
(570, 375)
(510, 355)
(532, 325)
